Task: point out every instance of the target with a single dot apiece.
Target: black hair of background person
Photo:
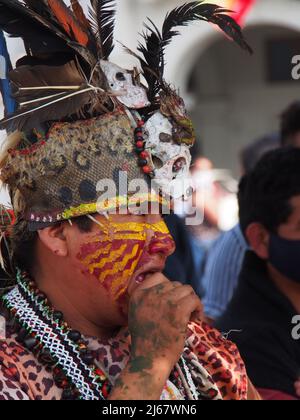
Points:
(251, 153)
(265, 192)
(180, 266)
(290, 125)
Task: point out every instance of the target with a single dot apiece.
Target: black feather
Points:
(153, 51)
(102, 16)
(197, 10)
(153, 59)
(18, 21)
(232, 30)
(41, 7)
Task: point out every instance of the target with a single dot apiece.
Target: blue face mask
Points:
(284, 255)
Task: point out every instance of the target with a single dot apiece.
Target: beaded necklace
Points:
(43, 331)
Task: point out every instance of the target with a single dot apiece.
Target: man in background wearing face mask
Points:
(260, 316)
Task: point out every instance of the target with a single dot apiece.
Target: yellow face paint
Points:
(114, 254)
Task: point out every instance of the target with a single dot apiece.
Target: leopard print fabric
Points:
(215, 365)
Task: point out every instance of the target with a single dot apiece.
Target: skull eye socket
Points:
(158, 163)
(120, 77)
(165, 138)
(179, 165)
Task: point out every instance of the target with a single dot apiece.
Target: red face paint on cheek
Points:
(114, 256)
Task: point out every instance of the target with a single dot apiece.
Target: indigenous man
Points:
(92, 317)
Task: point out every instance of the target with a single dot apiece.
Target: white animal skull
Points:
(170, 160)
(121, 84)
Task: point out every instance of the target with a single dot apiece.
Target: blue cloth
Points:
(223, 266)
(199, 255)
(5, 67)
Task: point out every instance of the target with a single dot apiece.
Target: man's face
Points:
(260, 238)
(119, 253)
(284, 247)
(294, 140)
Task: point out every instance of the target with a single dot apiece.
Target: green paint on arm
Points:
(140, 364)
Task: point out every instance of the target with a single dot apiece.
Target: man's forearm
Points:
(142, 379)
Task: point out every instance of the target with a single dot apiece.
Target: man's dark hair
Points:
(265, 193)
(290, 123)
(24, 241)
(251, 154)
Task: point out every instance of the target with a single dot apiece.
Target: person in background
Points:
(202, 173)
(225, 258)
(260, 317)
(180, 266)
(202, 235)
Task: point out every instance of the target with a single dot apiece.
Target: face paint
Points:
(115, 253)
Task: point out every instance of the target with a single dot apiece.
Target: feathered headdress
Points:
(83, 118)
(61, 75)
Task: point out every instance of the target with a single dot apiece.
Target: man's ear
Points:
(54, 239)
(258, 237)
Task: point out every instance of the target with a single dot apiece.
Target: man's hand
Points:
(159, 313)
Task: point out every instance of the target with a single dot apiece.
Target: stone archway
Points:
(234, 98)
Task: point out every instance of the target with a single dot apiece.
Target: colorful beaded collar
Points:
(43, 331)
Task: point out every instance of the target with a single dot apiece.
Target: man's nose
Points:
(163, 244)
